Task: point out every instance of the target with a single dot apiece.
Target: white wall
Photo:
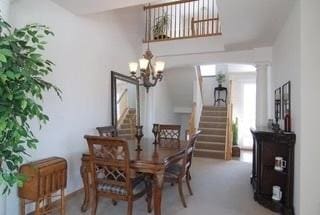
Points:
(310, 88)
(157, 107)
(180, 81)
(285, 67)
(4, 10)
(84, 49)
(164, 106)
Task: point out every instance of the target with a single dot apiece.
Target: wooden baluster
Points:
(203, 23)
(167, 13)
(149, 24)
(213, 17)
(146, 26)
(184, 19)
(208, 16)
(154, 21)
(175, 21)
(189, 14)
(157, 18)
(171, 20)
(220, 31)
(179, 27)
(198, 26)
(217, 24)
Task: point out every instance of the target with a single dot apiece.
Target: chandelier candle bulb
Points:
(133, 66)
(159, 66)
(143, 63)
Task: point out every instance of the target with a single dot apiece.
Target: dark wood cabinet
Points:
(269, 144)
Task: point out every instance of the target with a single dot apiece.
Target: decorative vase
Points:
(139, 136)
(155, 131)
(287, 122)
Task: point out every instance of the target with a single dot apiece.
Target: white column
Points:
(262, 95)
(4, 11)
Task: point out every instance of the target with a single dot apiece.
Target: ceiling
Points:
(82, 7)
(252, 23)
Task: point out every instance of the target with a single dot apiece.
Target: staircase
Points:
(211, 142)
(127, 127)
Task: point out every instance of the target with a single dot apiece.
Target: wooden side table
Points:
(217, 95)
(44, 179)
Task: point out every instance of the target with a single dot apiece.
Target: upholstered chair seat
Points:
(138, 185)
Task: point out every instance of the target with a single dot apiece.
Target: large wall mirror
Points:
(125, 102)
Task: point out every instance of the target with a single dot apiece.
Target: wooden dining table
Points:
(152, 159)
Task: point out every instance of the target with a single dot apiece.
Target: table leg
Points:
(158, 185)
(85, 179)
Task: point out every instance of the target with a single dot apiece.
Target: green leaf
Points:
(11, 165)
(6, 52)
(24, 104)
(20, 34)
(40, 47)
(10, 75)
(3, 58)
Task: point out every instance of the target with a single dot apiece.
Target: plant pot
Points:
(161, 37)
(235, 151)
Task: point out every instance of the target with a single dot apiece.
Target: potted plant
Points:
(235, 146)
(159, 29)
(22, 69)
(221, 78)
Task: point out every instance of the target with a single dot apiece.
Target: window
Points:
(208, 70)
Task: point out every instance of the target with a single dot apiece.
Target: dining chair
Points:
(112, 176)
(169, 132)
(107, 131)
(176, 172)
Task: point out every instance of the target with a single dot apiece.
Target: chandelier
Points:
(149, 74)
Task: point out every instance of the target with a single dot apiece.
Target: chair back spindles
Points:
(107, 131)
(169, 131)
(169, 135)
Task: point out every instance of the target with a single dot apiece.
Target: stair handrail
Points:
(192, 122)
(122, 106)
(200, 82)
(132, 124)
(229, 132)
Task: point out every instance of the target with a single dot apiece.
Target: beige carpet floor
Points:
(220, 188)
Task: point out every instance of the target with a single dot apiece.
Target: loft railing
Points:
(181, 19)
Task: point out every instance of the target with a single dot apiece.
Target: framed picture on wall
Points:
(277, 104)
(286, 99)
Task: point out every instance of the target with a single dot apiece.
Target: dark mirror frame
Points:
(118, 76)
(286, 104)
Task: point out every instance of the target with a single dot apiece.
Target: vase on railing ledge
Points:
(139, 135)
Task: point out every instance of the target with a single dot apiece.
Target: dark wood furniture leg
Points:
(157, 191)
(86, 186)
